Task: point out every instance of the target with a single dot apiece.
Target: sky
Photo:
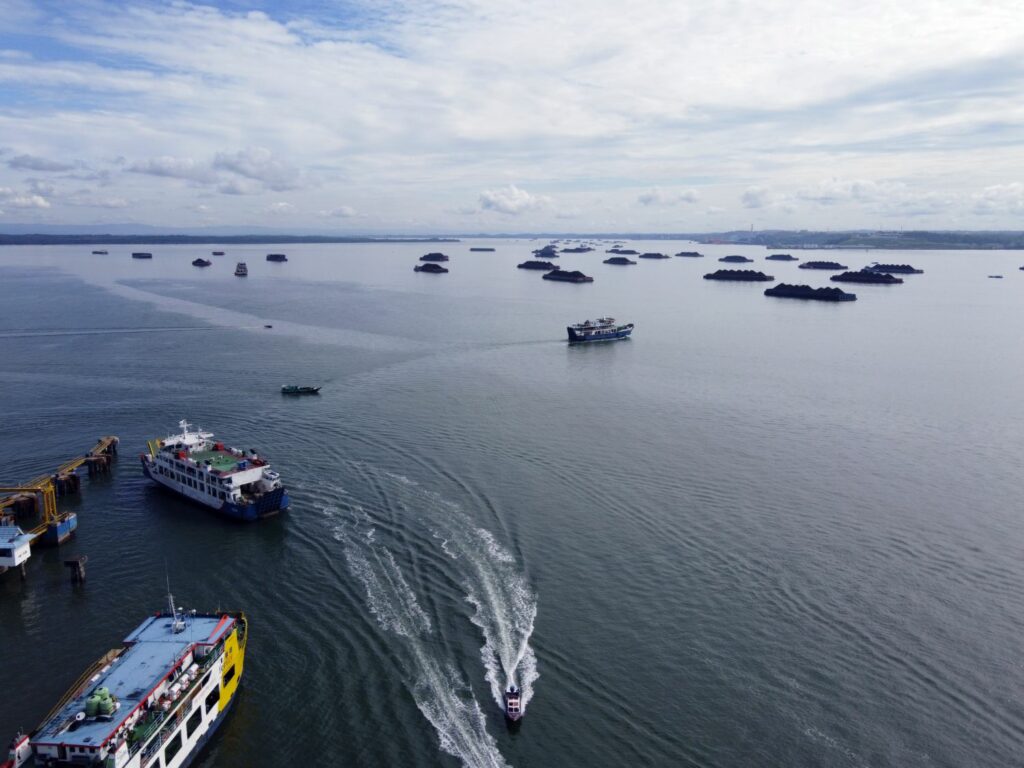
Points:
(458, 116)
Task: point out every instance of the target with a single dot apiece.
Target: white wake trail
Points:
(440, 692)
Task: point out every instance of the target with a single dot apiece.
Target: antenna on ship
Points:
(177, 624)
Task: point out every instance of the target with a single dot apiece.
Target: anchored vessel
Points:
(276, 257)
(787, 291)
(895, 269)
(834, 265)
(142, 255)
(241, 269)
(735, 259)
(513, 703)
(434, 269)
(602, 329)
(739, 275)
(573, 276)
(236, 483)
(154, 702)
(295, 389)
(201, 262)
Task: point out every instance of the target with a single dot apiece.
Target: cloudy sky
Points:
(518, 115)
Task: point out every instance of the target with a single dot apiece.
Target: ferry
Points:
(602, 329)
(15, 548)
(513, 703)
(236, 483)
(155, 701)
(241, 270)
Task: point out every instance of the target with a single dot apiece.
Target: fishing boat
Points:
(602, 329)
(236, 483)
(241, 270)
(156, 701)
(292, 389)
(513, 703)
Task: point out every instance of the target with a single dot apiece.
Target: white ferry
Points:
(236, 483)
(154, 702)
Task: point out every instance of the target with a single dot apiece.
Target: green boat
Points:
(292, 389)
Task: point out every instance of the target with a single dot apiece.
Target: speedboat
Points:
(513, 703)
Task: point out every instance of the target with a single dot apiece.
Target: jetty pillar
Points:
(77, 567)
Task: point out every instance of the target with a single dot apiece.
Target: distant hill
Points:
(210, 239)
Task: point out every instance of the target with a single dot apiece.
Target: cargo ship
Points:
(235, 483)
(156, 701)
(602, 329)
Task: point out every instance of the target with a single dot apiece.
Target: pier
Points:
(38, 497)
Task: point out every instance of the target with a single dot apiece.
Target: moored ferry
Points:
(237, 483)
(241, 270)
(155, 701)
(602, 329)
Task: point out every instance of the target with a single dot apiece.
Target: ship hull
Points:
(266, 506)
(619, 333)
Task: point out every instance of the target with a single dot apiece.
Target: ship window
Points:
(212, 698)
(173, 747)
(229, 675)
(6, 553)
(193, 722)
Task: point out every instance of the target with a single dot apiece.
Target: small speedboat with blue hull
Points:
(602, 329)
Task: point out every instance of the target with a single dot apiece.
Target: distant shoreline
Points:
(777, 240)
(43, 239)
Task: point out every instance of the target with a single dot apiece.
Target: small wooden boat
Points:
(293, 389)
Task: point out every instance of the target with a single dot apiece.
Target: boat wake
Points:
(504, 607)
(439, 690)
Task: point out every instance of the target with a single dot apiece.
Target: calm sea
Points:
(759, 533)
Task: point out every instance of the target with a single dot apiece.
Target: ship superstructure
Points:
(237, 483)
(153, 702)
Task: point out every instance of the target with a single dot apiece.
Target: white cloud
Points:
(658, 196)
(279, 208)
(511, 200)
(417, 107)
(14, 199)
(999, 198)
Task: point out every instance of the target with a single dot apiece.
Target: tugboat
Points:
(236, 483)
(241, 270)
(293, 389)
(155, 701)
(602, 329)
(513, 703)
(201, 262)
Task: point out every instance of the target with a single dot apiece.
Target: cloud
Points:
(756, 197)
(260, 165)
(341, 212)
(658, 196)
(511, 200)
(33, 163)
(14, 199)
(173, 168)
(277, 209)
(999, 198)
